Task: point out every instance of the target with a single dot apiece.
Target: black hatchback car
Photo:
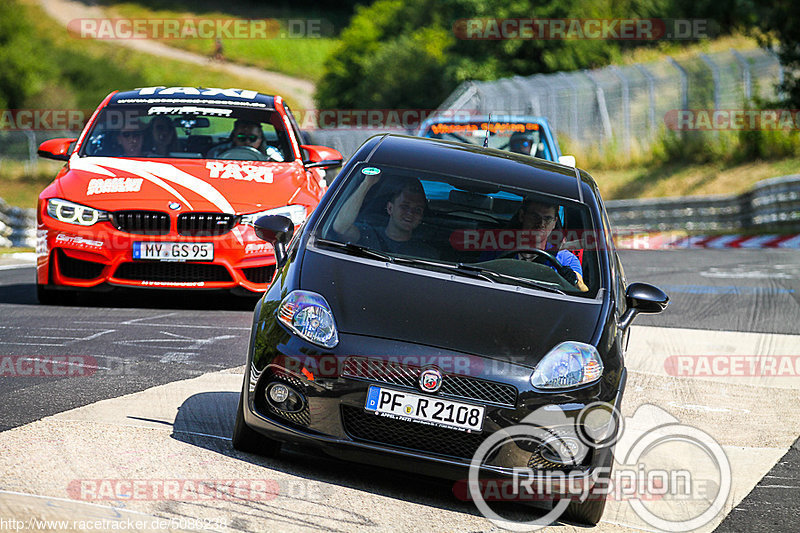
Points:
(439, 294)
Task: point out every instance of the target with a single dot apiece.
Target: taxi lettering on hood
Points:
(236, 171)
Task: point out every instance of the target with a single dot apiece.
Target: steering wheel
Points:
(243, 153)
(564, 271)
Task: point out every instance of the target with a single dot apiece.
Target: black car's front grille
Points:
(259, 274)
(78, 268)
(205, 224)
(175, 272)
(142, 222)
(453, 385)
(366, 426)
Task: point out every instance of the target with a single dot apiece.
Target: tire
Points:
(52, 297)
(590, 511)
(245, 439)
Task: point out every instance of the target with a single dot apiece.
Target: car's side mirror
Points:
(568, 160)
(321, 156)
(58, 149)
(642, 298)
(276, 230)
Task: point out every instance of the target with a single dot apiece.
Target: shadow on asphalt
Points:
(206, 420)
(25, 294)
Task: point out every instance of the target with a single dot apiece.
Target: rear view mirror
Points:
(276, 230)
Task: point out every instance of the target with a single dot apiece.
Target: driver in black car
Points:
(246, 134)
(541, 219)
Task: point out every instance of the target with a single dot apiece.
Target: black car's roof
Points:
(195, 95)
(475, 162)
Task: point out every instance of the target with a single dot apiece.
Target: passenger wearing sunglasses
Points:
(246, 134)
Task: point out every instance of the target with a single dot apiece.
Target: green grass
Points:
(689, 179)
(20, 185)
(93, 68)
(302, 57)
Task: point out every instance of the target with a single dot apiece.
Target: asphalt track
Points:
(155, 378)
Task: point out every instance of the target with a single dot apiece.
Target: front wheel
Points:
(245, 439)
(590, 511)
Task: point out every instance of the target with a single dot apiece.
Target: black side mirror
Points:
(642, 298)
(276, 230)
(328, 163)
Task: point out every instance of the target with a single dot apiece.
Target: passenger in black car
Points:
(406, 209)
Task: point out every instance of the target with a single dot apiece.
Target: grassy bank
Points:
(80, 72)
(296, 42)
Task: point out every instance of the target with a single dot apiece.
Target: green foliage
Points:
(43, 67)
(419, 46)
(779, 25)
(23, 64)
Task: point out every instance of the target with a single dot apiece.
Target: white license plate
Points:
(174, 251)
(424, 409)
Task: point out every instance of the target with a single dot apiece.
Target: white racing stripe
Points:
(158, 173)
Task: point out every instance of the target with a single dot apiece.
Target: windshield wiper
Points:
(507, 278)
(357, 249)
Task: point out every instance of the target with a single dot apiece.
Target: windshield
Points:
(520, 137)
(189, 132)
(474, 229)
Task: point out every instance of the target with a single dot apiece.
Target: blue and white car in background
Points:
(521, 134)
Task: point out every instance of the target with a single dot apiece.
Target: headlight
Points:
(297, 213)
(568, 365)
(309, 316)
(73, 213)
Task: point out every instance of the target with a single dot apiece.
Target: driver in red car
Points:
(246, 134)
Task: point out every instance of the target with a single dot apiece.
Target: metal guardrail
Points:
(771, 205)
(17, 226)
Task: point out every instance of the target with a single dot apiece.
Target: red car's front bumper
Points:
(86, 257)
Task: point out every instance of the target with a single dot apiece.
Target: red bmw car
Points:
(163, 186)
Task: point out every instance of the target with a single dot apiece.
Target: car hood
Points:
(112, 183)
(448, 312)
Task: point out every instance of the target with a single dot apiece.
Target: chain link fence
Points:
(626, 107)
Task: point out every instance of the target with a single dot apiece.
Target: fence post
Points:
(626, 108)
(601, 105)
(684, 83)
(746, 80)
(651, 96)
(714, 76)
(32, 154)
(573, 114)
